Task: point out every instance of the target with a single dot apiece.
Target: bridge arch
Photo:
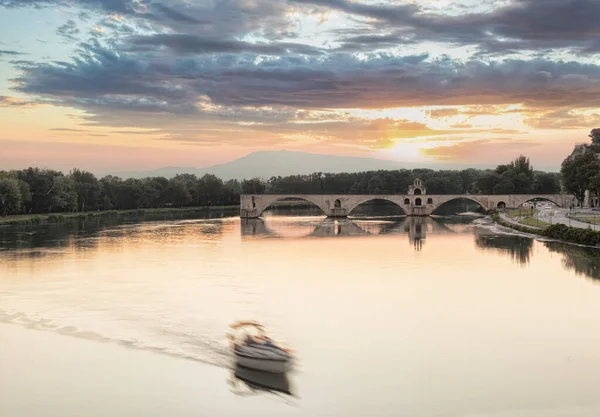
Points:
(526, 199)
(465, 197)
(375, 198)
(267, 202)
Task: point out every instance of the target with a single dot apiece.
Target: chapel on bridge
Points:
(417, 188)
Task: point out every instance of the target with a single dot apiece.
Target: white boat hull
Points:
(265, 365)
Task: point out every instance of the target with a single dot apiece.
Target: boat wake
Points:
(182, 345)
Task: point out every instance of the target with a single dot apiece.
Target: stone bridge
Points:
(416, 203)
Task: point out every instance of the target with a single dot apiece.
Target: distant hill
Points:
(265, 164)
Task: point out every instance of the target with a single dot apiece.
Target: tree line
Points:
(517, 177)
(35, 190)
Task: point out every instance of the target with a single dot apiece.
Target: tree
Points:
(87, 188)
(578, 171)
(546, 182)
(253, 186)
(62, 194)
(595, 135)
(10, 196)
(521, 165)
(178, 193)
(210, 190)
(485, 183)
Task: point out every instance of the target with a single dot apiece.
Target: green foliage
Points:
(10, 196)
(572, 234)
(55, 218)
(518, 177)
(581, 173)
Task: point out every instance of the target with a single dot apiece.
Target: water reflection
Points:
(292, 227)
(245, 382)
(519, 248)
(583, 260)
(282, 227)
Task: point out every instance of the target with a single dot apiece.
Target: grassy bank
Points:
(512, 213)
(534, 222)
(561, 232)
(138, 214)
(587, 219)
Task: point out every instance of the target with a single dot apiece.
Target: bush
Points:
(55, 218)
(573, 234)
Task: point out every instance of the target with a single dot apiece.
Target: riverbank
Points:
(136, 214)
(560, 232)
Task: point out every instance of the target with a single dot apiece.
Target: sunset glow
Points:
(177, 83)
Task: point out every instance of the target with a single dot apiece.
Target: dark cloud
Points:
(68, 30)
(393, 13)
(230, 17)
(4, 52)
(521, 25)
(194, 44)
(101, 77)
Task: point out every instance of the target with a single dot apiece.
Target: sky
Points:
(140, 84)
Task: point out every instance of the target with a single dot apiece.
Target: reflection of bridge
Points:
(415, 227)
(416, 203)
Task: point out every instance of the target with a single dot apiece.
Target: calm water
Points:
(389, 316)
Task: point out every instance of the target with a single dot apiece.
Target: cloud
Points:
(103, 80)
(135, 132)
(68, 30)
(4, 52)
(64, 129)
(237, 71)
(6, 101)
(520, 25)
(195, 44)
(563, 119)
(231, 17)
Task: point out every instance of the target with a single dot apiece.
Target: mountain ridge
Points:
(266, 164)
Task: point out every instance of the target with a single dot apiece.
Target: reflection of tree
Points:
(584, 261)
(50, 236)
(520, 248)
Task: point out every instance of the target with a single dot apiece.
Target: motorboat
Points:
(261, 382)
(253, 349)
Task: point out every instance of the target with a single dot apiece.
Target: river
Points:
(388, 316)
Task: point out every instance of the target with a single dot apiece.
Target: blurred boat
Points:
(260, 381)
(253, 349)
